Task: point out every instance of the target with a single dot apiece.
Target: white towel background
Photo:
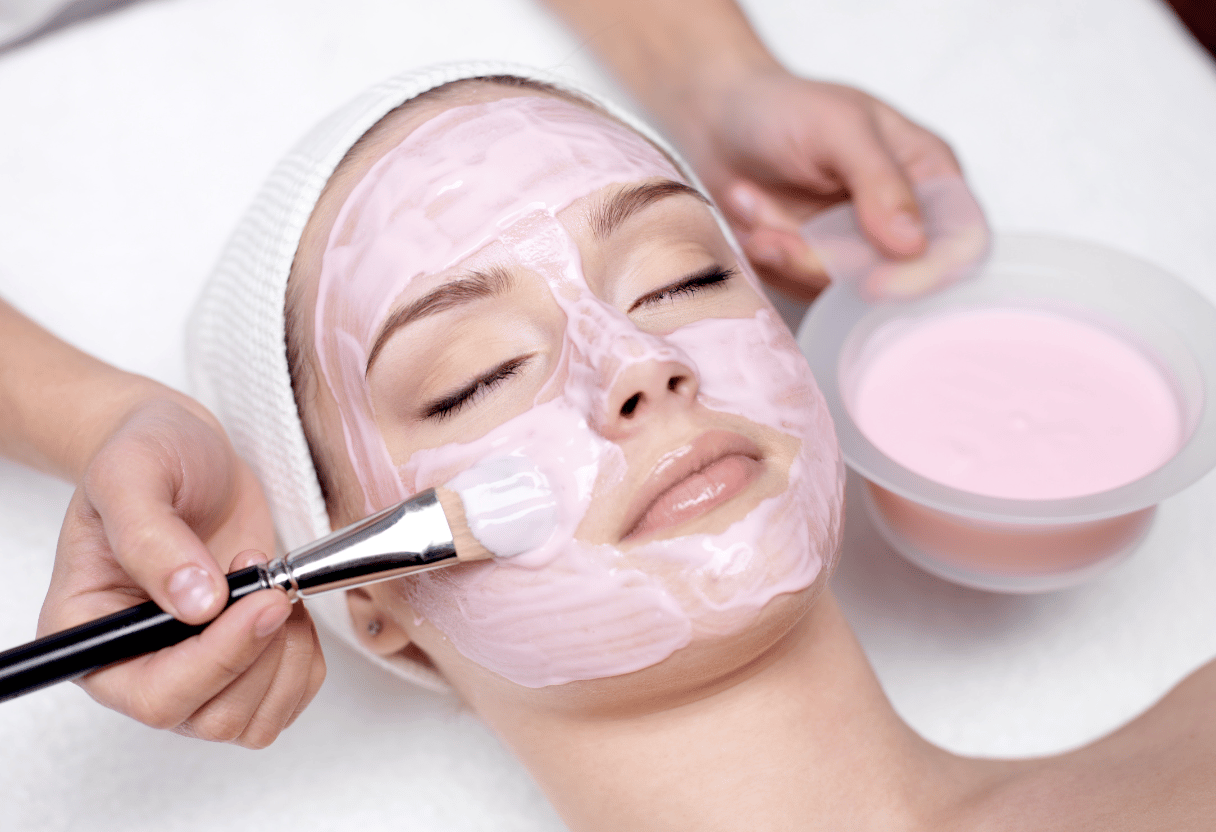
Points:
(129, 146)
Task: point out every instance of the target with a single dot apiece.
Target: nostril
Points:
(630, 405)
(673, 383)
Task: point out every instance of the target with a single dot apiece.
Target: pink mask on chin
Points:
(570, 610)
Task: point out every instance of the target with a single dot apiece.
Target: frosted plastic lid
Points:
(958, 244)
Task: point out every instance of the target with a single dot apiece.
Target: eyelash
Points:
(715, 277)
(449, 406)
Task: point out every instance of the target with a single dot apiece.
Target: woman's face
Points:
(517, 275)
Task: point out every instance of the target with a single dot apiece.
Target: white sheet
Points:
(130, 144)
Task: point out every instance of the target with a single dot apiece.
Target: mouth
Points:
(692, 481)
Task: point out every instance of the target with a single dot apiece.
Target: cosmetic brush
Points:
(497, 509)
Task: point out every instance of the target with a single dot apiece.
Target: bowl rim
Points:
(1162, 302)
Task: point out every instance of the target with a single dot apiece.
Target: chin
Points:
(603, 632)
(704, 667)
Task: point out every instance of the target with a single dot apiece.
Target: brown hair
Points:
(298, 363)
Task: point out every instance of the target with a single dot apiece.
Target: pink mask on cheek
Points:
(569, 610)
(452, 186)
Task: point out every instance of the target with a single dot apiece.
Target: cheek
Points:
(555, 439)
(567, 610)
(754, 369)
(577, 611)
(436, 357)
(587, 616)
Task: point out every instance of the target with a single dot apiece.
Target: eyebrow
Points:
(609, 215)
(475, 285)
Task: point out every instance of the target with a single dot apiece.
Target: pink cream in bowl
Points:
(1016, 429)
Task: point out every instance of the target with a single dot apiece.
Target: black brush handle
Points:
(122, 635)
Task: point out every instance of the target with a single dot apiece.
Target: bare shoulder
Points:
(1157, 773)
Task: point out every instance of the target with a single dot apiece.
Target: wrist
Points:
(676, 57)
(60, 405)
(693, 81)
(707, 106)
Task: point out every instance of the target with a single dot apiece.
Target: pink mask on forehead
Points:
(502, 171)
(455, 184)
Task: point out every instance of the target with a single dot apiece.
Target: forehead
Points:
(462, 177)
(458, 180)
(446, 147)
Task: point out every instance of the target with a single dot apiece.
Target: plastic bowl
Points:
(1014, 545)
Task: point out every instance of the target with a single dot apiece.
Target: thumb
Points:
(136, 485)
(771, 239)
(882, 196)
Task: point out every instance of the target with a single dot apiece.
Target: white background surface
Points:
(130, 145)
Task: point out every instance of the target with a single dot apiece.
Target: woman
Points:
(496, 267)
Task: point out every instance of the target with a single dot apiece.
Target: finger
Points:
(316, 673)
(316, 676)
(86, 582)
(784, 262)
(771, 240)
(134, 485)
(922, 154)
(881, 191)
(226, 716)
(254, 709)
(291, 684)
(247, 558)
(163, 689)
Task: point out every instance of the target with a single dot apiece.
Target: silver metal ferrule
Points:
(409, 537)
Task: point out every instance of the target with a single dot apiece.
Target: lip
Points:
(692, 480)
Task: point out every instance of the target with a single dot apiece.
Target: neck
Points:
(810, 735)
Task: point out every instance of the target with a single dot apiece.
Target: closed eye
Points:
(450, 405)
(714, 277)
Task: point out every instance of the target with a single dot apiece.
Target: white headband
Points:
(236, 342)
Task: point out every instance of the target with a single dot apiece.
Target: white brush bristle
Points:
(508, 503)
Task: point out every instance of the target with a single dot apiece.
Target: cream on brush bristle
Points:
(501, 507)
(468, 547)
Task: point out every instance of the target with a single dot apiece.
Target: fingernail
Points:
(248, 558)
(810, 262)
(768, 254)
(270, 620)
(744, 202)
(192, 591)
(906, 228)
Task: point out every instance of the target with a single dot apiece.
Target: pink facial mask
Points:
(568, 610)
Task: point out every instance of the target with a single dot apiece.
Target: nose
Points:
(644, 390)
(622, 377)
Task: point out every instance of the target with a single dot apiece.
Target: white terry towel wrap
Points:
(236, 347)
